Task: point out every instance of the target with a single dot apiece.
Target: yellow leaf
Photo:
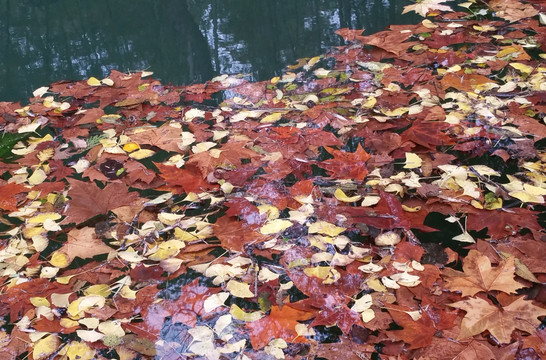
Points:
(525, 69)
(396, 112)
(275, 226)
(341, 196)
(411, 209)
(99, 289)
(376, 285)
(45, 154)
(40, 219)
(203, 146)
(89, 335)
(129, 147)
(370, 102)
(326, 228)
(184, 235)
(364, 303)
(90, 322)
(412, 161)
(526, 197)
(271, 211)
(328, 274)
(111, 328)
(534, 190)
(93, 81)
(64, 279)
(239, 314)
(45, 347)
(77, 350)
(39, 301)
(271, 118)
(239, 289)
(68, 323)
(169, 218)
(48, 272)
(429, 24)
(141, 154)
(59, 259)
(454, 68)
(77, 307)
(127, 293)
(130, 255)
(167, 249)
(60, 300)
(37, 177)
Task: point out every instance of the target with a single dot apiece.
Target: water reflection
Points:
(181, 41)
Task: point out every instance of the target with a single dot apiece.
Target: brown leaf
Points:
(500, 322)
(88, 200)
(84, 244)
(165, 137)
(480, 276)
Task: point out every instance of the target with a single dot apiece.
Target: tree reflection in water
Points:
(180, 41)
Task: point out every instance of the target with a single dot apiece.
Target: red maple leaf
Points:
(182, 180)
(234, 234)
(8, 201)
(331, 309)
(417, 333)
(347, 165)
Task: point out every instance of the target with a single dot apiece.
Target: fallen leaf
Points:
(499, 321)
(480, 276)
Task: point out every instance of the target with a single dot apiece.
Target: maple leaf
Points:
(187, 179)
(418, 333)
(184, 309)
(331, 309)
(8, 201)
(499, 321)
(165, 137)
(88, 200)
(83, 243)
(279, 324)
(480, 276)
(229, 155)
(346, 165)
(234, 234)
(422, 7)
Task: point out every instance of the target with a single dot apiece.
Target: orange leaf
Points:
(279, 324)
(480, 276)
(500, 322)
(8, 201)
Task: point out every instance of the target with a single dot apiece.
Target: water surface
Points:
(181, 41)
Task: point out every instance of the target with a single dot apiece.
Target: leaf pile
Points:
(382, 199)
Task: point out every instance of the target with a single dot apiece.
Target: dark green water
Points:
(181, 41)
